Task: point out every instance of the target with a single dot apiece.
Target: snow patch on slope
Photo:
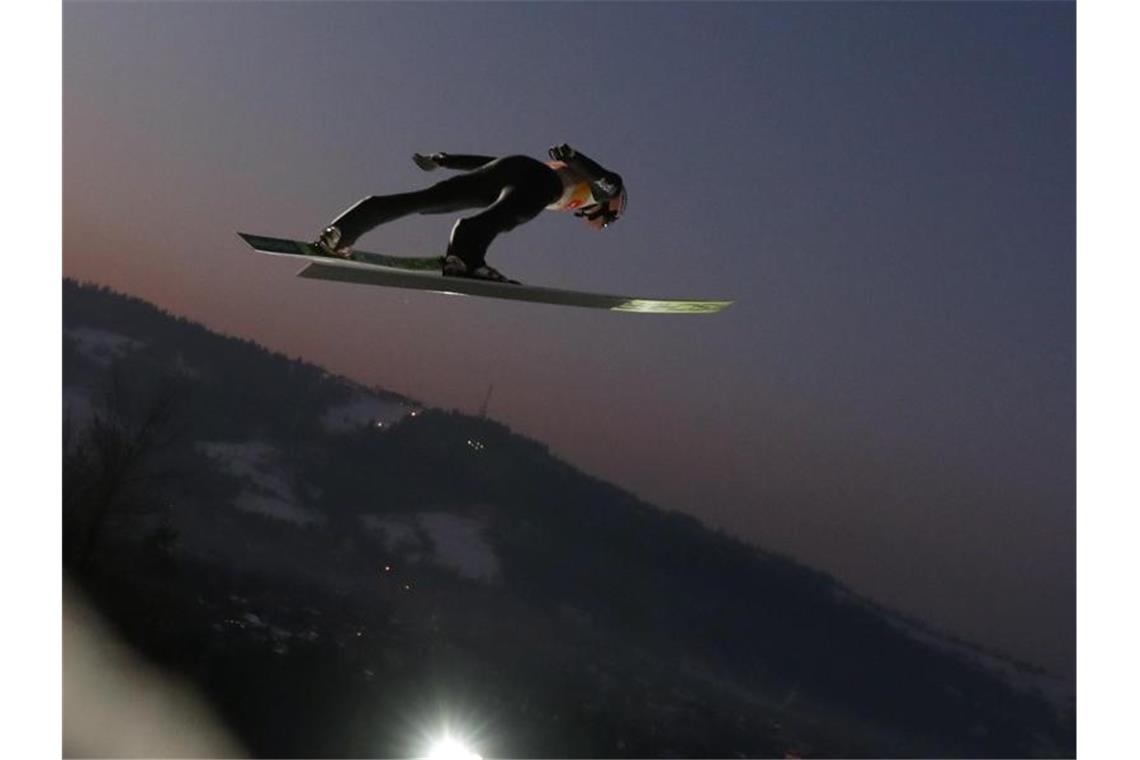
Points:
(460, 546)
(399, 534)
(1024, 678)
(268, 491)
(450, 541)
(102, 346)
(362, 410)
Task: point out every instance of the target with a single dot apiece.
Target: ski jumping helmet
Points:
(601, 215)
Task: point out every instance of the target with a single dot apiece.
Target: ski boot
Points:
(427, 163)
(328, 243)
(453, 266)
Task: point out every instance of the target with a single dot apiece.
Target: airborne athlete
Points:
(510, 190)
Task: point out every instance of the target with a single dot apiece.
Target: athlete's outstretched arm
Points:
(603, 182)
(460, 161)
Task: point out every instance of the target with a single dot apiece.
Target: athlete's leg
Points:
(530, 187)
(476, 189)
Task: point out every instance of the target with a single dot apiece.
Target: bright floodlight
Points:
(450, 749)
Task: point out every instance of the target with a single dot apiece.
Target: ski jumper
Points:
(511, 190)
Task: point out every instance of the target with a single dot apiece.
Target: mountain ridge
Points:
(440, 489)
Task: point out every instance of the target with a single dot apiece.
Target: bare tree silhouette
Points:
(112, 461)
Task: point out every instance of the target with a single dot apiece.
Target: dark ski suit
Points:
(510, 190)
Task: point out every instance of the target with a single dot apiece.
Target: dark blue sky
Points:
(888, 190)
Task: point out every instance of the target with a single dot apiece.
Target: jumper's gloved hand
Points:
(562, 152)
(427, 163)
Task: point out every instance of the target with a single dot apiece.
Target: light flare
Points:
(450, 748)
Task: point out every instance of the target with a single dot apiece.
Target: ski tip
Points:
(651, 306)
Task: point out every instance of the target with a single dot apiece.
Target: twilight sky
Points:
(888, 190)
